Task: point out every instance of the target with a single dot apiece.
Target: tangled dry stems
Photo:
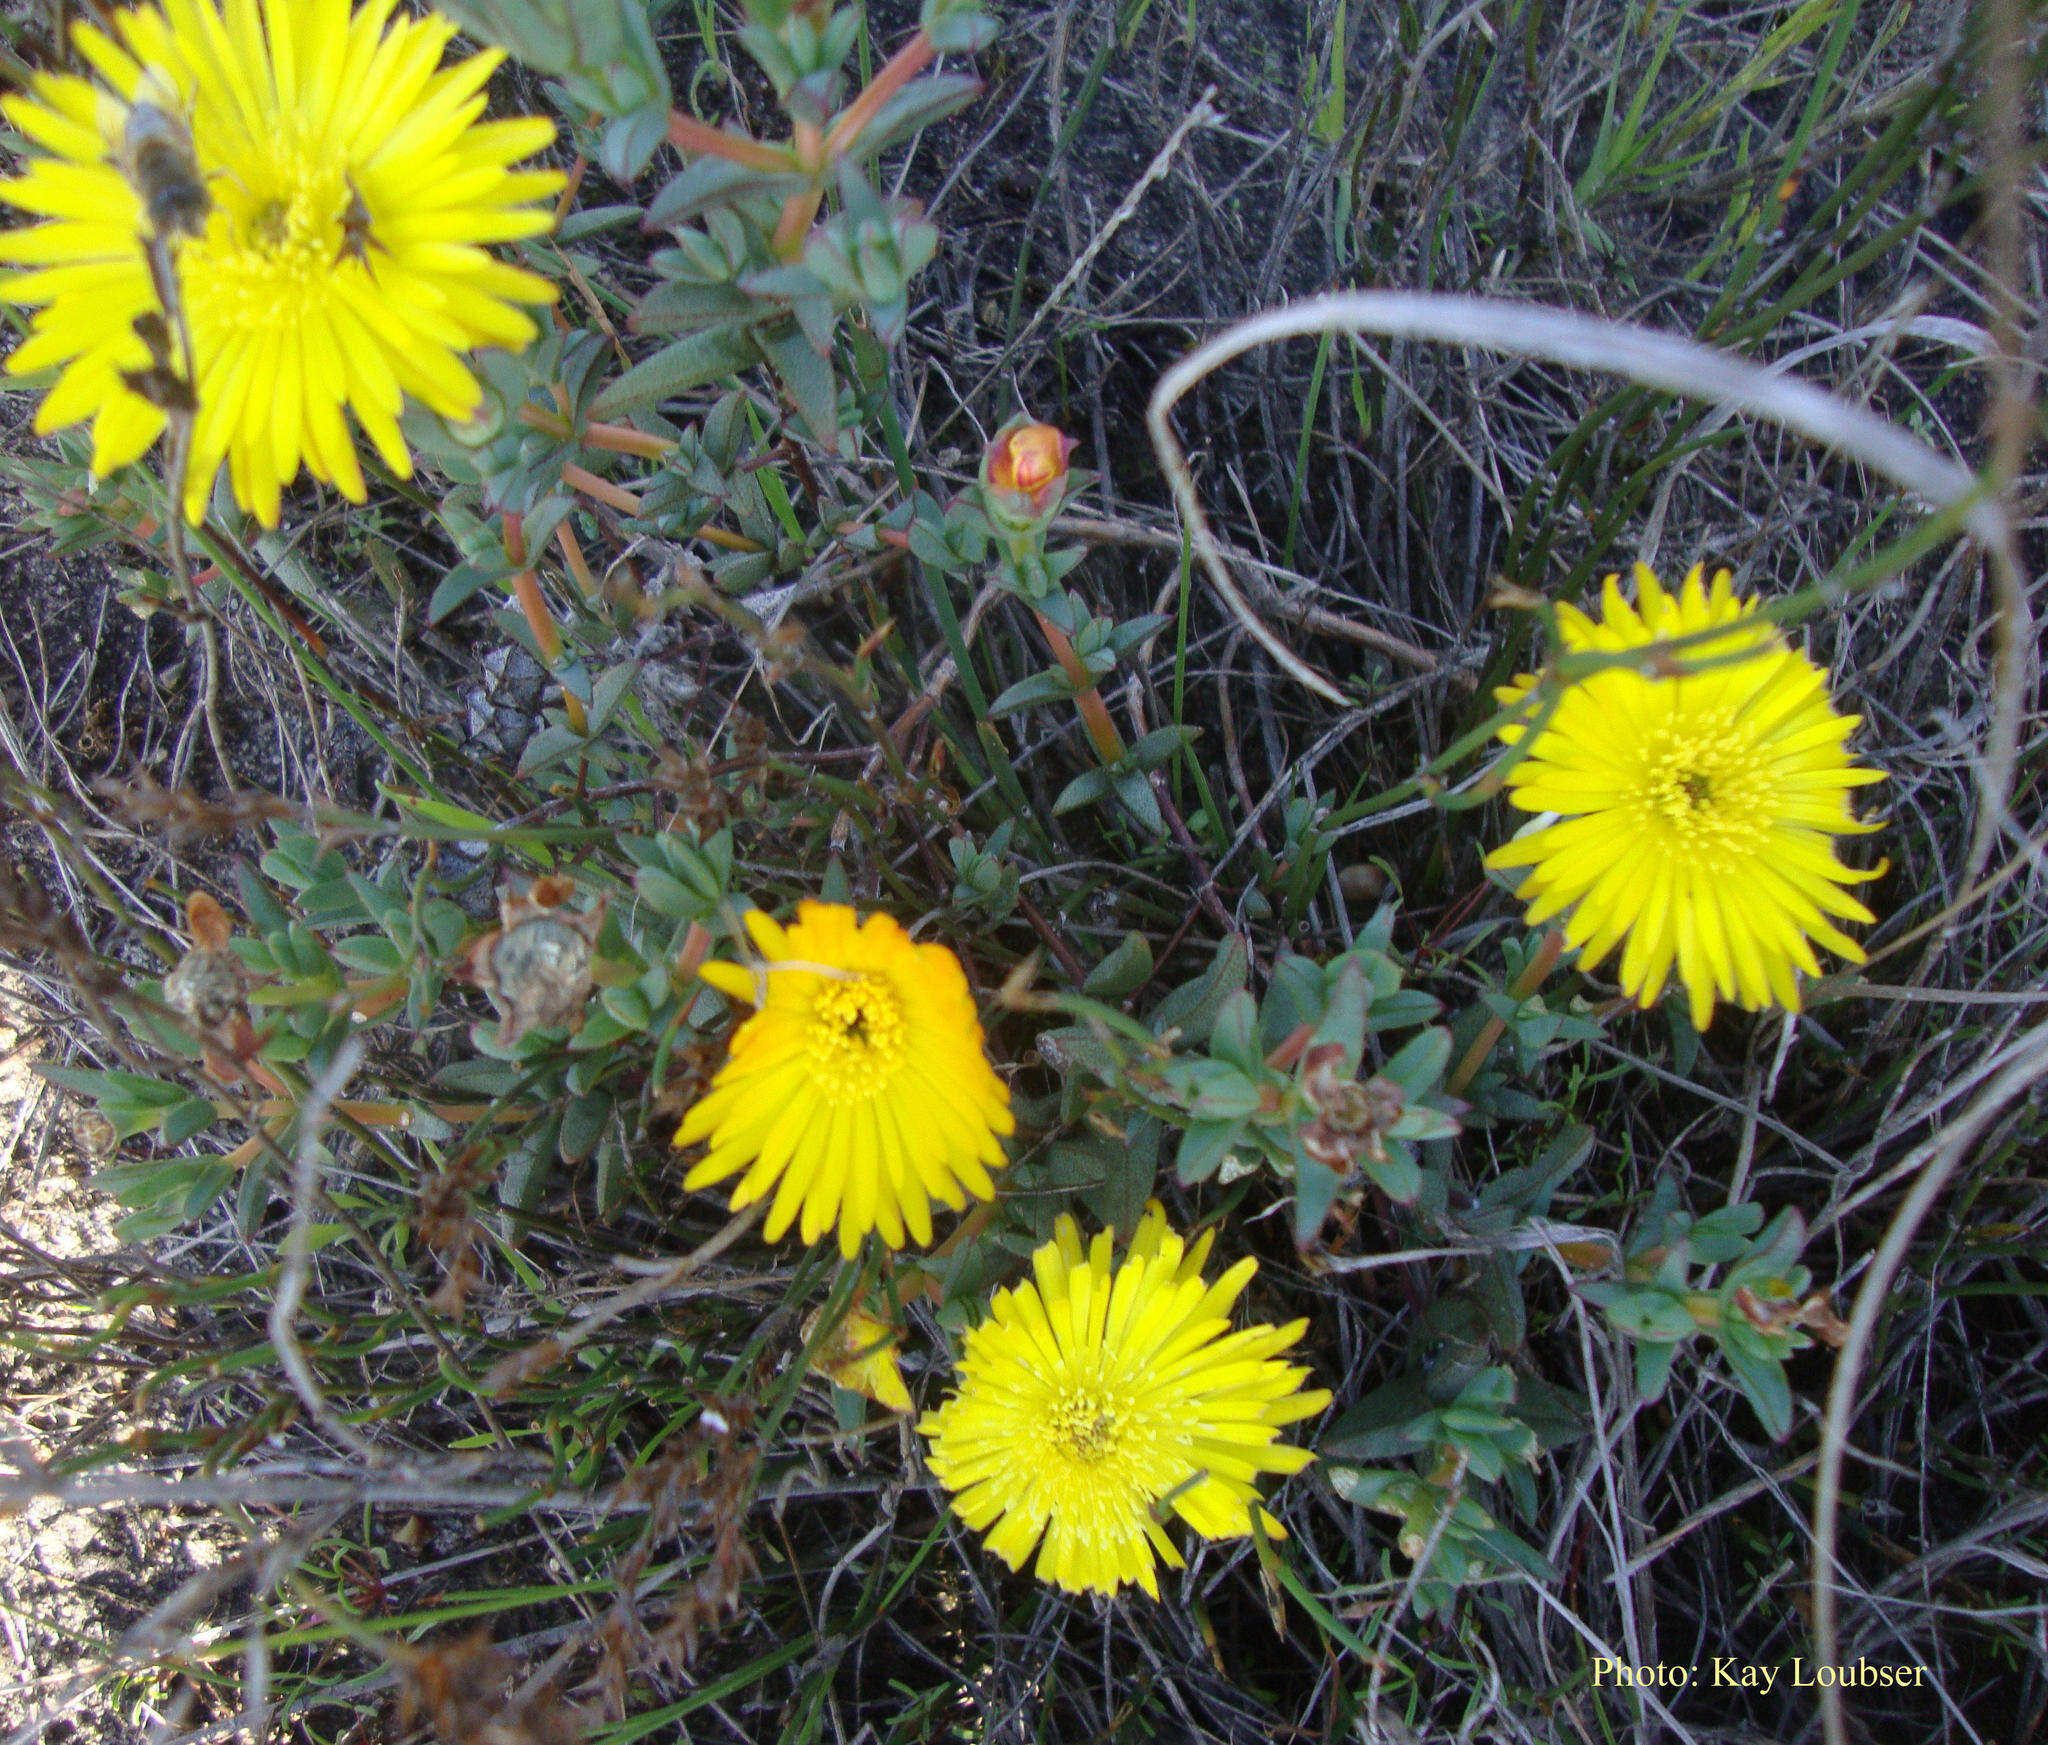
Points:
(1397, 533)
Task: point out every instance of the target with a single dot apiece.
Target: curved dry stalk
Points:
(296, 1264)
(1939, 1158)
(1656, 360)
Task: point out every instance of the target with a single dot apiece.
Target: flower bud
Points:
(861, 1357)
(1024, 473)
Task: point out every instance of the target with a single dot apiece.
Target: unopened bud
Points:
(1024, 473)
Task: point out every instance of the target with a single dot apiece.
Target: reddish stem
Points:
(795, 223)
(729, 541)
(903, 66)
(807, 142)
(1534, 973)
(687, 134)
(572, 554)
(546, 637)
(1109, 745)
(570, 185)
(624, 439)
(600, 490)
(612, 438)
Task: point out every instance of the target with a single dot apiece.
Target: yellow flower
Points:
(339, 261)
(1097, 1393)
(1699, 807)
(861, 1357)
(859, 1085)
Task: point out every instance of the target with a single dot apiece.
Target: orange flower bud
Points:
(1024, 469)
(1029, 458)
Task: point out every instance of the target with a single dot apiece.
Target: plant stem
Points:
(687, 134)
(613, 438)
(795, 223)
(1534, 972)
(533, 606)
(572, 555)
(1109, 745)
(728, 541)
(599, 490)
(903, 66)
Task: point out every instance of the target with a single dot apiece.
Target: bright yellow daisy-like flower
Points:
(339, 261)
(858, 1091)
(1095, 1393)
(1698, 807)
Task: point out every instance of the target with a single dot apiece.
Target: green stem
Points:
(1534, 973)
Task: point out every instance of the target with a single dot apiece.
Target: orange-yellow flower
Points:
(858, 1091)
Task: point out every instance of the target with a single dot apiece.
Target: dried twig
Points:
(296, 1263)
(1203, 114)
(1937, 1160)
(1657, 360)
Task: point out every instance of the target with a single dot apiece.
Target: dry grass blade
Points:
(297, 1258)
(1656, 360)
(1939, 1159)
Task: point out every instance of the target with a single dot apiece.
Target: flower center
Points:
(1707, 790)
(856, 1036)
(287, 229)
(1087, 1424)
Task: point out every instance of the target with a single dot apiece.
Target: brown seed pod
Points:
(750, 733)
(209, 986)
(1363, 882)
(94, 1134)
(698, 796)
(1350, 1116)
(535, 967)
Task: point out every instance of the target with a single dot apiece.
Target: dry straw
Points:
(1962, 501)
(1656, 360)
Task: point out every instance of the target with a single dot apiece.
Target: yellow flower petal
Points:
(1095, 1391)
(861, 1356)
(858, 1090)
(299, 110)
(1698, 809)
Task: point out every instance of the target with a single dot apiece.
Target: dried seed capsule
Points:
(209, 986)
(536, 967)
